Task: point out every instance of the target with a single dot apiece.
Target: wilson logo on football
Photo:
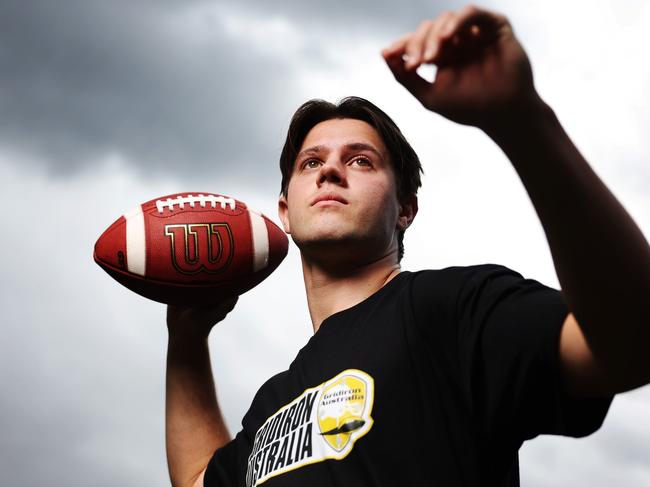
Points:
(200, 247)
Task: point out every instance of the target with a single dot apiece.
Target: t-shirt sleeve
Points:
(508, 331)
(227, 466)
(510, 326)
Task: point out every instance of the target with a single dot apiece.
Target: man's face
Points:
(342, 196)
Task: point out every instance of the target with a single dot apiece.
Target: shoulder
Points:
(452, 292)
(449, 281)
(460, 273)
(267, 399)
(436, 295)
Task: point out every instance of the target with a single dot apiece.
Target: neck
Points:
(332, 290)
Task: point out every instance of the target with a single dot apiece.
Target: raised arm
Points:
(602, 259)
(194, 425)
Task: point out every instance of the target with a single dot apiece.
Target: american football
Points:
(191, 248)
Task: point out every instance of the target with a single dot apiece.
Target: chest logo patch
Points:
(322, 423)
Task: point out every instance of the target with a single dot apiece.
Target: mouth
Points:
(328, 199)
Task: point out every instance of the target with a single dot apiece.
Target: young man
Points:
(431, 377)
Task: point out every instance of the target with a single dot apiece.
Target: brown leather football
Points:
(191, 248)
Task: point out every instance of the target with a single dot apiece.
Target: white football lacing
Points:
(192, 200)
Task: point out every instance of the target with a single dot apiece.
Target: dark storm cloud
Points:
(82, 79)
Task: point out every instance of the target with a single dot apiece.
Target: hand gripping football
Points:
(191, 249)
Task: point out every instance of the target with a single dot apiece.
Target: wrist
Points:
(520, 119)
(187, 337)
(187, 352)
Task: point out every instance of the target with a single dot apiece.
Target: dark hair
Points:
(403, 158)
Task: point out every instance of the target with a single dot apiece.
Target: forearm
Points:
(601, 257)
(194, 424)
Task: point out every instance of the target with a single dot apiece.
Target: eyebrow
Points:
(352, 146)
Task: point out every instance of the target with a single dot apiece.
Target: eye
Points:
(310, 164)
(362, 161)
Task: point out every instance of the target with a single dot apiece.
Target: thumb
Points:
(410, 79)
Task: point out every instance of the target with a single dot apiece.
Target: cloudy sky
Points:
(104, 105)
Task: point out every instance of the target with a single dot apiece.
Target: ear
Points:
(408, 208)
(283, 213)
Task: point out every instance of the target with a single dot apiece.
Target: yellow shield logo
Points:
(343, 410)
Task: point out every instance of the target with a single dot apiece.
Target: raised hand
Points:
(483, 75)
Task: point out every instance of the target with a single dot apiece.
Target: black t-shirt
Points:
(436, 379)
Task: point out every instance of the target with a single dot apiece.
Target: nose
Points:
(332, 172)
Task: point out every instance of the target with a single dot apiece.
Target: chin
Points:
(324, 242)
(349, 249)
